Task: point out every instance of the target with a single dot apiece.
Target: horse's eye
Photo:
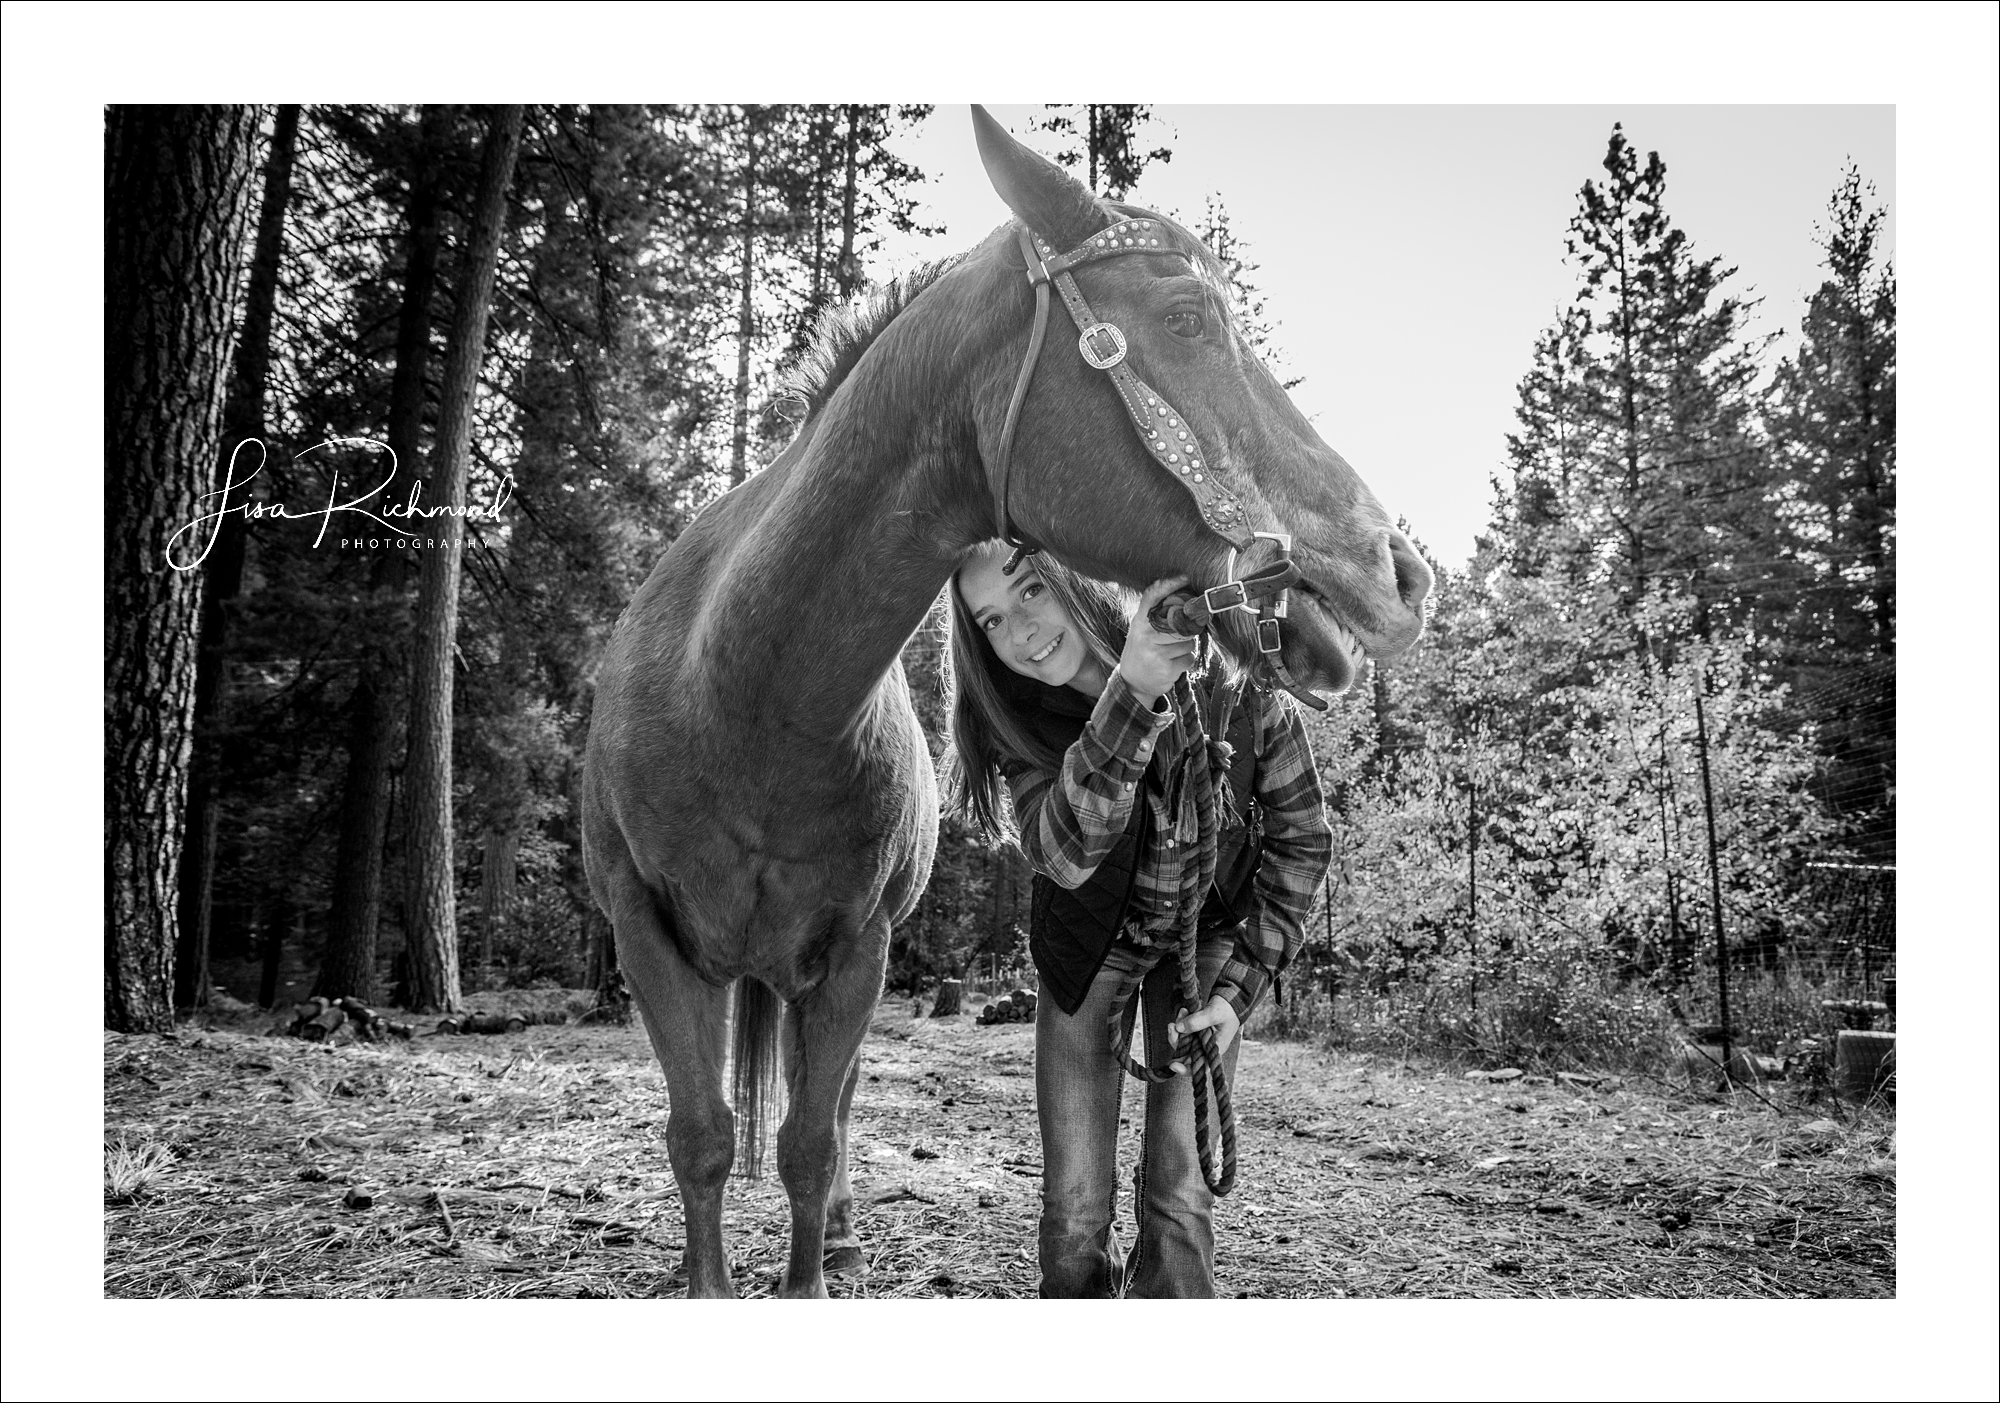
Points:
(1185, 324)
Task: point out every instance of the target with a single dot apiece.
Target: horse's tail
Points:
(758, 1012)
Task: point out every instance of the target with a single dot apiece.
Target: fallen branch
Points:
(559, 1190)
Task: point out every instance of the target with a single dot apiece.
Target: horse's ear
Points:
(1045, 197)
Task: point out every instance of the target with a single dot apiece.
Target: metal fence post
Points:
(1714, 870)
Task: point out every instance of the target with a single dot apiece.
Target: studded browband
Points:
(1168, 437)
(1162, 428)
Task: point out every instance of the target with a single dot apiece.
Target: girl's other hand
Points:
(1152, 659)
(1219, 1015)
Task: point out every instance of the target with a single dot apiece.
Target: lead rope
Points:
(1205, 1065)
(1204, 1061)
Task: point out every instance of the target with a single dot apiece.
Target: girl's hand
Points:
(1219, 1015)
(1152, 660)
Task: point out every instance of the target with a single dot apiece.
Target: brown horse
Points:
(759, 805)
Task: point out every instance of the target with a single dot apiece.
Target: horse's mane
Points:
(845, 333)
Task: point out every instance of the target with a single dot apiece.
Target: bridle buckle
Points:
(1101, 360)
(1267, 636)
(1281, 606)
(1233, 595)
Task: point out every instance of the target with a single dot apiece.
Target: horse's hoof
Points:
(844, 1261)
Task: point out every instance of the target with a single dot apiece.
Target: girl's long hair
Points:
(987, 699)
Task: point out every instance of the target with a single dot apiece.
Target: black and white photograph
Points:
(1284, 696)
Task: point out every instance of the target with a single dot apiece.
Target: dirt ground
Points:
(239, 1163)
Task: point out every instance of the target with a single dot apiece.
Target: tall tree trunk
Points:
(822, 144)
(273, 922)
(347, 966)
(1092, 144)
(179, 186)
(1628, 392)
(497, 877)
(739, 444)
(848, 274)
(1385, 738)
(432, 928)
(242, 419)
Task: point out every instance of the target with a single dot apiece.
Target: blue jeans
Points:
(1078, 1086)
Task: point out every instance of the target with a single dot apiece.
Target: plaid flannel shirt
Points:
(1070, 820)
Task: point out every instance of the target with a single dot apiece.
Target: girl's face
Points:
(1023, 623)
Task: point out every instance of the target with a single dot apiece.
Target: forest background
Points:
(1653, 721)
(1929, 60)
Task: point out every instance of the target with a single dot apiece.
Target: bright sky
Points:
(1411, 254)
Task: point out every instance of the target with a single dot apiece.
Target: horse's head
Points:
(1082, 482)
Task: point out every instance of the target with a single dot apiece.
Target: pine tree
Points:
(243, 420)
(430, 911)
(1833, 415)
(847, 187)
(1103, 138)
(1541, 517)
(179, 192)
(416, 151)
(1675, 486)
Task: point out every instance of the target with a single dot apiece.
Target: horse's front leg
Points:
(687, 1019)
(822, 1063)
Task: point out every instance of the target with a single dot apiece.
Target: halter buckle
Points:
(1102, 361)
(1219, 598)
(1267, 636)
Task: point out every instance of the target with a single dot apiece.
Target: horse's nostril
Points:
(1413, 577)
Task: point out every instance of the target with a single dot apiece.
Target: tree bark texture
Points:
(347, 966)
(431, 928)
(497, 879)
(179, 189)
(242, 419)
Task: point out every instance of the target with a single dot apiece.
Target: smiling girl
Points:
(1084, 717)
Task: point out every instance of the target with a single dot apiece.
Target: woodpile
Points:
(1017, 1007)
(319, 1018)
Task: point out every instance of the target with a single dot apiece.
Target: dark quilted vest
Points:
(1072, 930)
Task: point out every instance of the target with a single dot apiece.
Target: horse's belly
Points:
(745, 910)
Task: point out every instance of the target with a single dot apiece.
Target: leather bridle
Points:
(1168, 437)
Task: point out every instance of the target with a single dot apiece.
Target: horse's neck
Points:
(847, 543)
